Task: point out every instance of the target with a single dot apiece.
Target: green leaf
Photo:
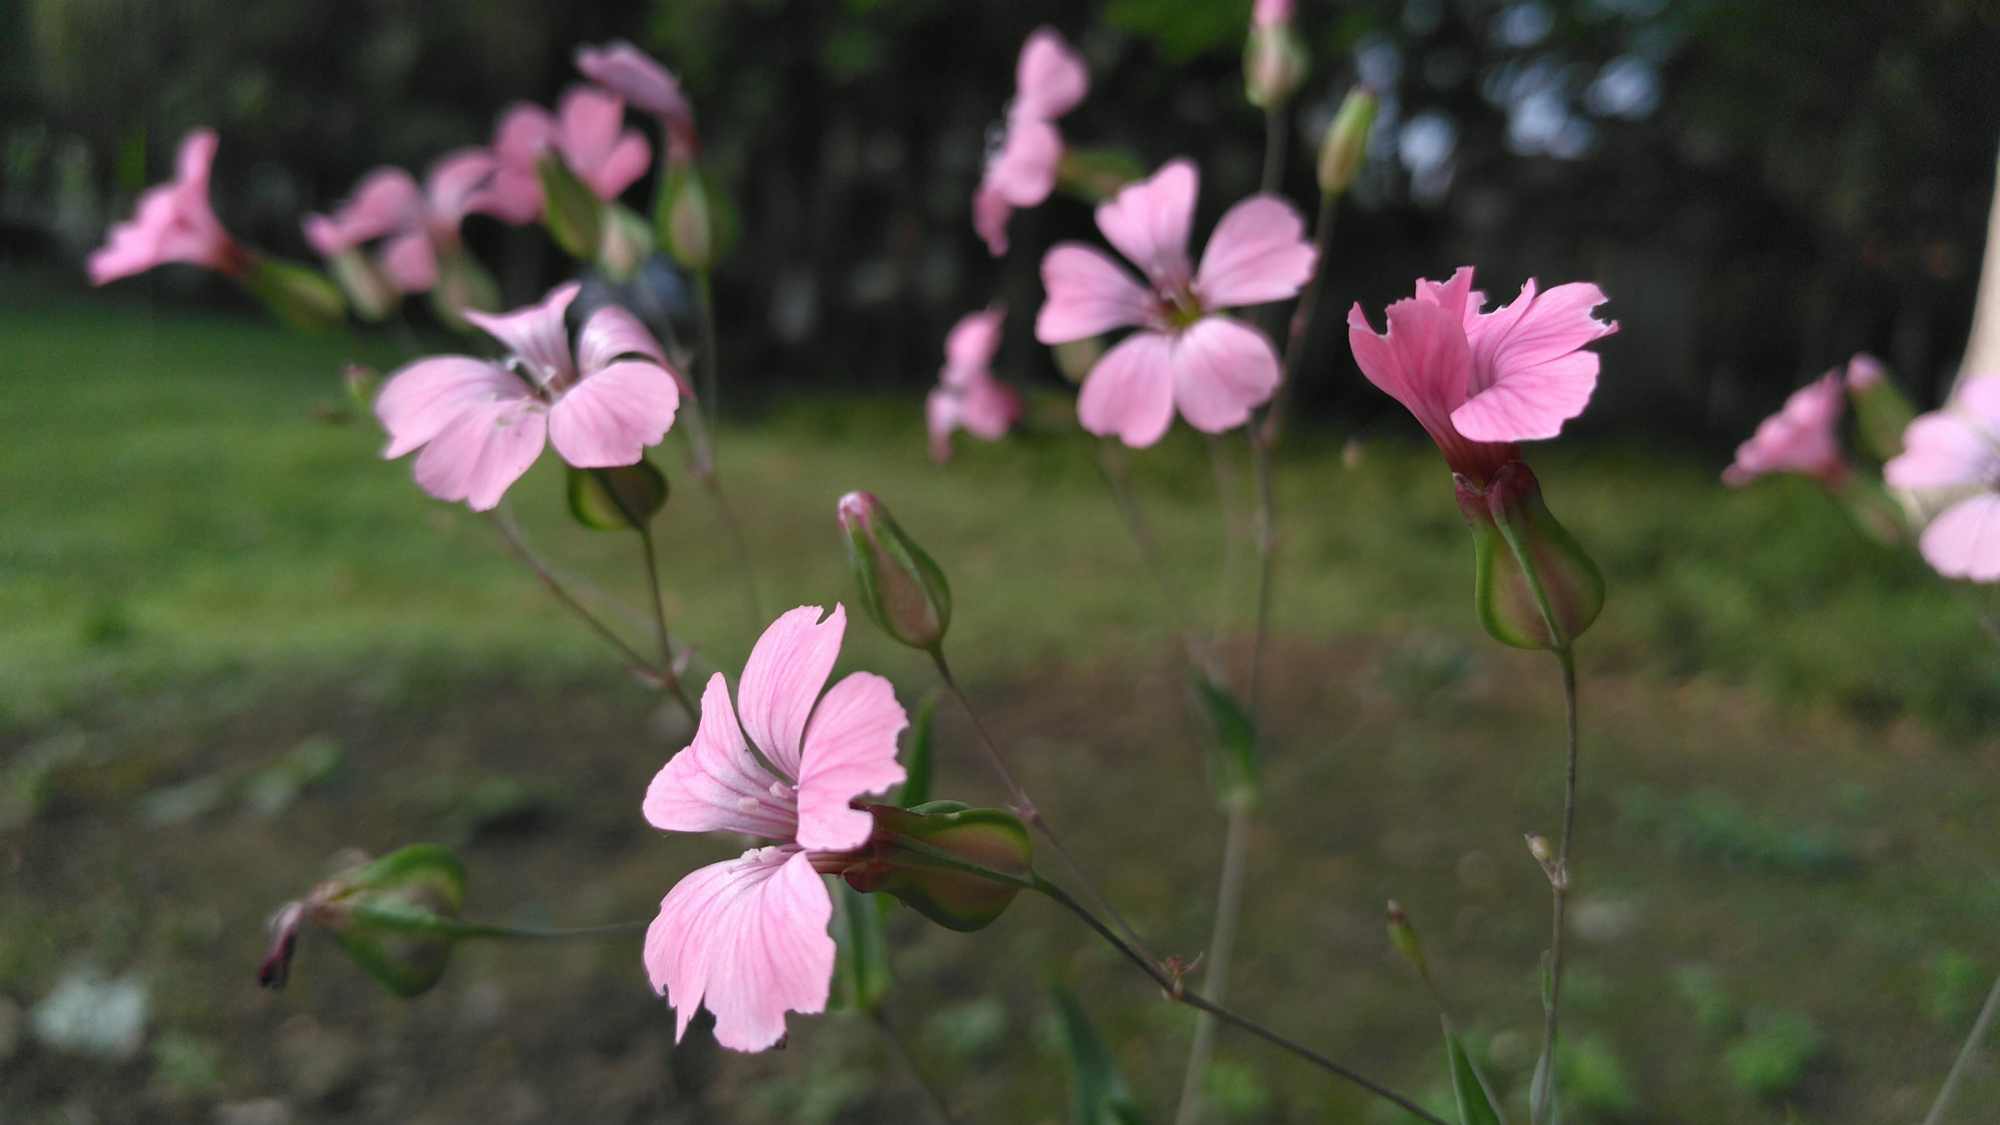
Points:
(861, 973)
(622, 498)
(1233, 770)
(571, 211)
(1099, 1094)
(1476, 1104)
(917, 755)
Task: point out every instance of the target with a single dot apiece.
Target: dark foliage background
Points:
(1763, 186)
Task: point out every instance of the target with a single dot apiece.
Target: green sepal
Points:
(620, 498)
(300, 296)
(570, 209)
(900, 587)
(1098, 1091)
(397, 916)
(1535, 586)
(958, 866)
(1095, 175)
(695, 221)
(1233, 768)
(861, 973)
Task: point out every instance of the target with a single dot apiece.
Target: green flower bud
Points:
(1274, 63)
(958, 866)
(1345, 146)
(695, 221)
(1404, 937)
(369, 291)
(1535, 587)
(621, 498)
(570, 209)
(627, 241)
(899, 586)
(396, 916)
(1881, 413)
(301, 297)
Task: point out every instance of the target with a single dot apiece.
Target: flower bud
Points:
(297, 295)
(901, 589)
(396, 916)
(462, 284)
(284, 925)
(932, 858)
(570, 209)
(626, 243)
(369, 291)
(620, 498)
(1535, 586)
(1274, 60)
(1345, 146)
(695, 221)
(361, 383)
(1404, 937)
(1881, 412)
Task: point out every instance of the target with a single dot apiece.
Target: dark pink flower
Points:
(967, 394)
(1021, 171)
(1478, 381)
(1956, 452)
(647, 86)
(173, 223)
(587, 129)
(748, 937)
(482, 423)
(1213, 368)
(1799, 438)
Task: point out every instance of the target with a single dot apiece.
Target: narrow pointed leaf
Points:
(1233, 735)
(861, 966)
(1099, 1094)
(1475, 1102)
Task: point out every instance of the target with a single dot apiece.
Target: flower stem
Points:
(1224, 468)
(1980, 1027)
(709, 411)
(1198, 649)
(535, 933)
(1543, 1091)
(1221, 945)
(1033, 815)
(1176, 991)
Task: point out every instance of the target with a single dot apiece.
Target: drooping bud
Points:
(570, 209)
(1345, 147)
(1274, 60)
(620, 498)
(1404, 937)
(396, 916)
(1535, 586)
(1881, 412)
(901, 589)
(956, 865)
(284, 925)
(695, 221)
(301, 297)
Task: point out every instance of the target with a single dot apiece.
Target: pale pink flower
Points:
(1957, 450)
(1049, 80)
(634, 75)
(747, 937)
(417, 224)
(481, 423)
(1799, 438)
(1479, 381)
(587, 129)
(173, 223)
(967, 394)
(1213, 368)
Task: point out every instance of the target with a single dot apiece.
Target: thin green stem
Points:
(1224, 468)
(535, 933)
(1274, 148)
(1980, 1027)
(1033, 815)
(1177, 991)
(1543, 1092)
(1221, 945)
(711, 363)
(1141, 533)
(702, 443)
(932, 1097)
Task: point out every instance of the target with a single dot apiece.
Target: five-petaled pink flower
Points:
(747, 937)
(587, 129)
(967, 394)
(1478, 382)
(1049, 80)
(481, 423)
(1214, 368)
(173, 223)
(1799, 438)
(1957, 450)
(418, 224)
(634, 75)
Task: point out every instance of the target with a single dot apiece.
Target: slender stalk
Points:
(1033, 815)
(936, 1101)
(1221, 945)
(1274, 147)
(711, 363)
(709, 410)
(669, 677)
(1559, 883)
(1127, 501)
(511, 535)
(535, 933)
(1177, 991)
(1980, 1027)
(1224, 469)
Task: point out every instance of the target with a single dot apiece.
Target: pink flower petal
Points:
(1088, 294)
(969, 347)
(989, 407)
(536, 333)
(1528, 374)
(172, 223)
(990, 212)
(411, 262)
(1130, 393)
(454, 182)
(1943, 449)
(386, 201)
(1050, 78)
(482, 452)
(324, 236)
(1979, 398)
(611, 332)
(632, 74)
(514, 194)
(1455, 295)
(594, 147)
(782, 679)
(1024, 170)
(1798, 438)
(420, 400)
(716, 785)
(748, 939)
(1222, 370)
(1421, 361)
(609, 418)
(1964, 541)
(1257, 254)
(1148, 222)
(850, 749)
(941, 417)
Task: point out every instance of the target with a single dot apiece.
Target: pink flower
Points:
(1799, 438)
(586, 130)
(967, 394)
(419, 225)
(173, 223)
(632, 74)
(1958, 449)
(1478, 382)
(747, 937)
(1213, 368)
(481, 424)
(1048, 82)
